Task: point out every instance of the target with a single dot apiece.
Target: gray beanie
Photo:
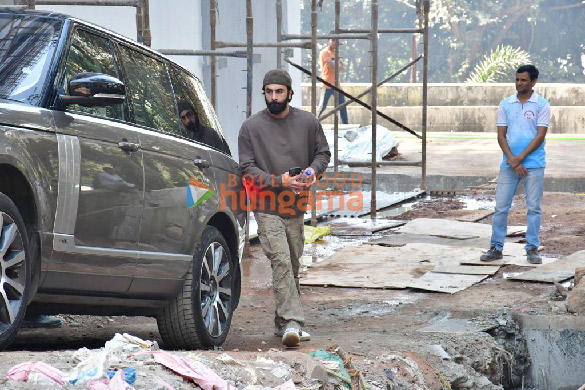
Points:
(277, 76)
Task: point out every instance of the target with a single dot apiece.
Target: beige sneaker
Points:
(305, 336)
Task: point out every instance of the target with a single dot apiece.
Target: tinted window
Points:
(150, 90)
(92, 53)
(191, 97)
(27, 45)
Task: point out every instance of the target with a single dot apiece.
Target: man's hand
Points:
(308, 177)
(292, 183)
(520, 170)
(513, 162)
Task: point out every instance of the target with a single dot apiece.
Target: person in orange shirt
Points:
(327, 58)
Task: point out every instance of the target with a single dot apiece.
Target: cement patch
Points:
(459, 325)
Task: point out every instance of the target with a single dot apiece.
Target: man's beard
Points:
(276, 108)
(192, 127)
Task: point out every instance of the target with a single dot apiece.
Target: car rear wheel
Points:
(15, 270)
(200, 315)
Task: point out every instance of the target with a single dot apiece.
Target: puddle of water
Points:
(476, 204)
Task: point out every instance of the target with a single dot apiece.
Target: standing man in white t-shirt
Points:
(522, 123)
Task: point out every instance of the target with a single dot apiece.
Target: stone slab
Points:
(452, 229)
(375, 266)
(556, 271)
(445, 283)
(360, 226)
(467, 269)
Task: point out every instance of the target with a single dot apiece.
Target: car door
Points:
(169, 227)
(101, 183)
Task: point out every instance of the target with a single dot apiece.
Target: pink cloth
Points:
(198, 372)
(21, 372)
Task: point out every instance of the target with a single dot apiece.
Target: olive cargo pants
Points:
(282, 240)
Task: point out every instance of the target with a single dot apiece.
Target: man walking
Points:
(522, 123)
(274, 144)
(327, 59)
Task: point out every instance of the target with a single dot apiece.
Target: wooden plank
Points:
(467, 269)
(445, 283)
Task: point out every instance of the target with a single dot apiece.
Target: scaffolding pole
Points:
(374, 103)
(426, 8)
(314, 90)
(336, 94)
(213, 70)
(278, 33)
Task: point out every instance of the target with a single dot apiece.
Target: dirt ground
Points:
(378, 328)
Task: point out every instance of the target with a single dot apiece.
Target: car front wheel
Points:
(200, 315)
(15, 270)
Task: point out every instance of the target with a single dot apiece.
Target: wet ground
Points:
(371, 324)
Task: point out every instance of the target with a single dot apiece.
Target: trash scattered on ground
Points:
(312, 233)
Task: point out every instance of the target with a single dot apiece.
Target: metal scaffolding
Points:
(306, 42)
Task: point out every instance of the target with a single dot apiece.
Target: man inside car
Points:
(197, 131)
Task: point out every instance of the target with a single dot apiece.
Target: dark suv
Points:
(112, 163)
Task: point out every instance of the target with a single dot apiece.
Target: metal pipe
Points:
(212, 53)
(356, 100)
(426, 5)
(111, 3)
(413, 48)
(212, 24)
(250, 59)
(384, 31)
(314, 89)
(365, 92)
(278, 33)
(143, 27)
(302, 45)
(287, 37)
(336, 94)
(374, 104)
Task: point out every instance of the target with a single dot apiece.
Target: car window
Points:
(92, 53)
(27, 47)
(150, 91)
(202, 125)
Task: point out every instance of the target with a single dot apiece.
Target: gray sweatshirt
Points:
(268, 147)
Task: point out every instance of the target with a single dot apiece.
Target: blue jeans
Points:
(328, 92)
(507, 184)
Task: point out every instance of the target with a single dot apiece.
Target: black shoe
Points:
(533, 257)
(491, 255)
(41, 321)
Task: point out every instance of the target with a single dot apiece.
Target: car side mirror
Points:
(94, 90)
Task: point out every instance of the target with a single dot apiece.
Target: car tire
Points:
(200, 315)
(15, 270)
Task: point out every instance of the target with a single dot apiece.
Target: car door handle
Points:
(200, 163)
(128, 146)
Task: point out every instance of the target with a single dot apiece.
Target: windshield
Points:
(27, 45)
